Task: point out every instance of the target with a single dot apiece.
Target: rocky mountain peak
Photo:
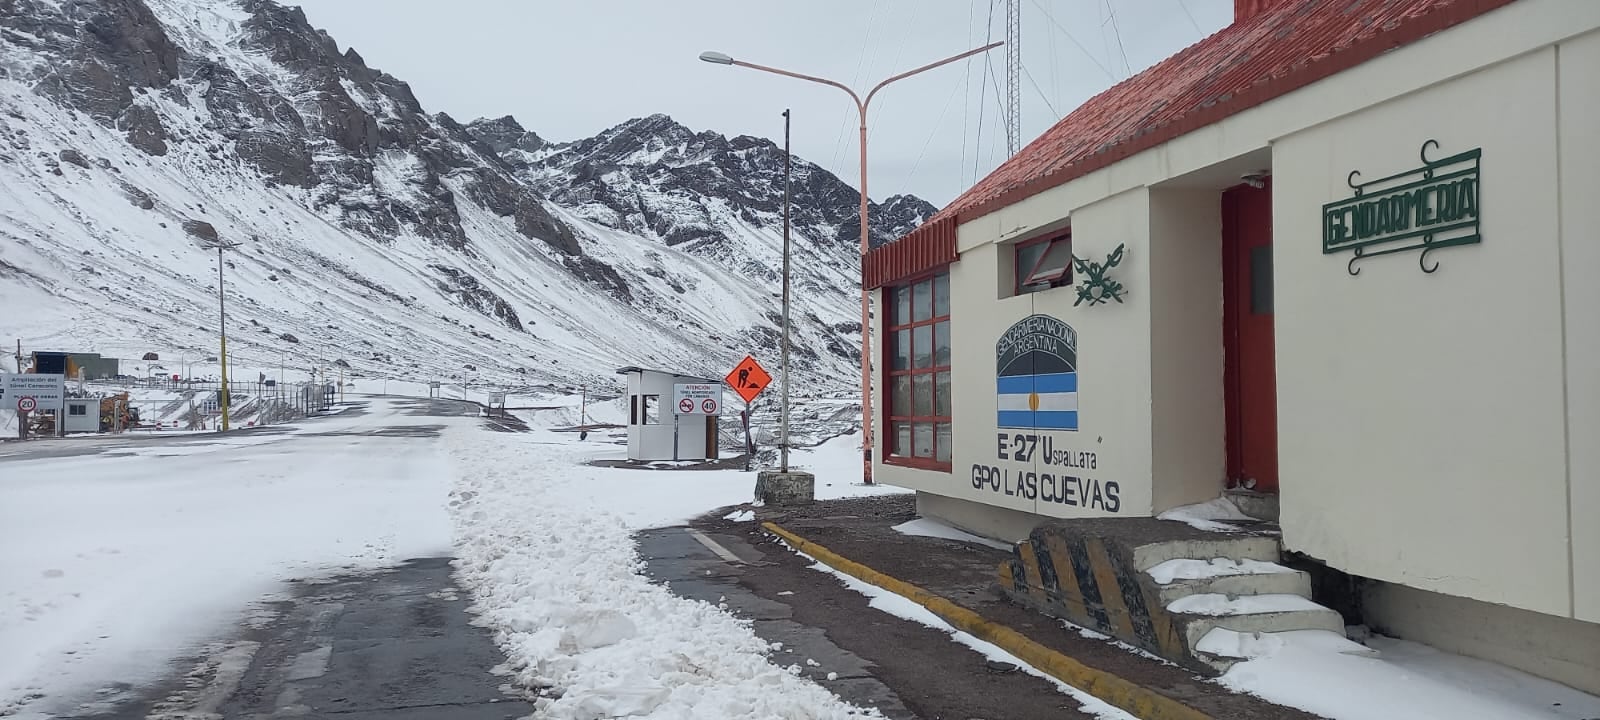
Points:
(654, 176)
(504, 134)
(250, 124)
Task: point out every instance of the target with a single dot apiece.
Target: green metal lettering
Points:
(1431, 207)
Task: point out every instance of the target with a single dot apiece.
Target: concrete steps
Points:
(1183, 577)
(1166, 587)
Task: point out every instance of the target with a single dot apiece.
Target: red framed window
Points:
(1044, 263)
(917, 340)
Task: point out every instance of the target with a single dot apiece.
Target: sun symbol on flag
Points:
(1033, 401)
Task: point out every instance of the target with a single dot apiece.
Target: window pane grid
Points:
(918, 416)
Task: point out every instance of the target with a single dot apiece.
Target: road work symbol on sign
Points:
(26, 404)
(748, 379)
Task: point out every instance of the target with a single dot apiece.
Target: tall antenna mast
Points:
(1013, 77)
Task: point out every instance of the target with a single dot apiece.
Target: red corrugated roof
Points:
(1257, 58)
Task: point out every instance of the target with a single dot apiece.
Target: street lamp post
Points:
(222, 327)
(783, 418)
(718, 58)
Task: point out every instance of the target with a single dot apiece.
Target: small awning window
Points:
(1045, 264)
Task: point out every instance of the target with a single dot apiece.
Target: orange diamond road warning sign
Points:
(748, 379)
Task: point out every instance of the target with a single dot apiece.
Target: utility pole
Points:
(783, 418)
(583, 405)
(222, 327)
(718, 58)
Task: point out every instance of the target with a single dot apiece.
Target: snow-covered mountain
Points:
(137, 134)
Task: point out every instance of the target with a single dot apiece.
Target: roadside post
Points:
(749, 447)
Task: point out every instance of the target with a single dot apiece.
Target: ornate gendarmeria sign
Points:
(1432, 207)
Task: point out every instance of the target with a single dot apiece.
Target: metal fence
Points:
(198, 404)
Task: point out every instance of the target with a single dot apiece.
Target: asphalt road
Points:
(340, 422)
(392, 643)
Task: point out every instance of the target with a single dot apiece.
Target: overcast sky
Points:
(570, 69)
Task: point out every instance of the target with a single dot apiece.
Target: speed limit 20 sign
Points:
(26, 404)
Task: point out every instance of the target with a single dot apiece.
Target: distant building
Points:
(1341, 250)
(659, 428)
(92, 365)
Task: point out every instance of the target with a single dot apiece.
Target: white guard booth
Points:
(671, 416)
(83, 415)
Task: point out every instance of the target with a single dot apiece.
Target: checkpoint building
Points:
(1337, 260)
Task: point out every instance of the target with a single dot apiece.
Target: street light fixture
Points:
(718, 58)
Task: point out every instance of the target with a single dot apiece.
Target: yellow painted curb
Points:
(1139, 700)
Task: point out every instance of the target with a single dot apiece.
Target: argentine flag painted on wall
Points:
(1036, 384)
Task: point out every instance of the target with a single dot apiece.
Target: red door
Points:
(1250, 375)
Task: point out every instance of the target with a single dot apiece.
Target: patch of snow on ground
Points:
(1208, 515)
(1319, 672)
(836, 463)
(740, 516)
(1218, 604)
(904, 608)
(928, 527)
(1191, 569)
(559, 582)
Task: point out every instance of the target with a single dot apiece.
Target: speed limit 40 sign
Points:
(697, 398)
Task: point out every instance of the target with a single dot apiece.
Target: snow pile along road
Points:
(559, 583)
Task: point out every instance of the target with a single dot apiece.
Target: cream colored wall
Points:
(1113, 361)
(1580, 248)
(1558, 648)
(1421, 416)
(996, 523)
(1113, 439)
(1188, 414)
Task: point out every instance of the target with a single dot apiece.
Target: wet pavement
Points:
(903, 668)
(693, 567)
(389, 644)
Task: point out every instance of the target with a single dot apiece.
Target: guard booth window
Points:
(652, 409)
(77, 410)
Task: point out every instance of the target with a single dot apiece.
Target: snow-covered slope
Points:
(136, 134)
